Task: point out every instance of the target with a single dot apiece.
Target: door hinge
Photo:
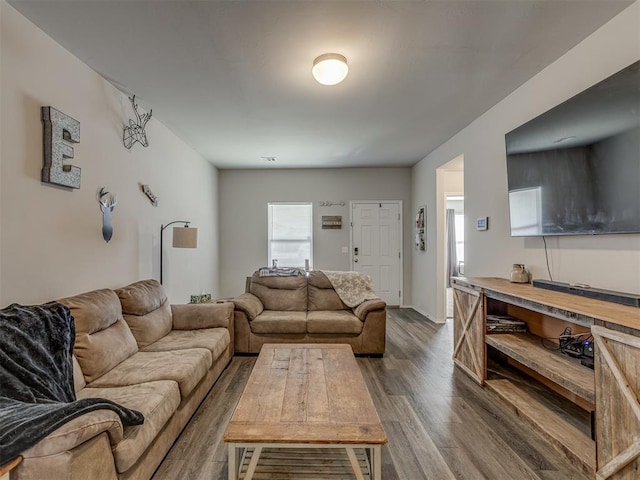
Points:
(351, 223)
(398, 254)
(398, 216)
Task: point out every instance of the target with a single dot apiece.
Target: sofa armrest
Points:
(78, 431)
(249, 304)
(362, 310)
(193, 316)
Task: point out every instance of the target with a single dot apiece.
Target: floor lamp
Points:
(183, 237)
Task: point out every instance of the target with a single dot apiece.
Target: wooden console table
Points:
(611, 390)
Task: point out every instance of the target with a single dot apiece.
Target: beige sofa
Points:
(305, 309)
(134, 348)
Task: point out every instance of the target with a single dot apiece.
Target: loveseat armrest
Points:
(249, 304)
(193, 316)
(362, 310)
(78, 431)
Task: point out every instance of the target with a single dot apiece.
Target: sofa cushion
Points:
(270, 321)
(150, 327)
(78, 378)
(157, 401)
(77, 431)
(322, 296)
(280, 293)
(216, 340)
(141, 297)
(187, 367)
(368, 306)
(249, 304)
(194, 316)
(333, 321)
(103, 339)
(146, 310)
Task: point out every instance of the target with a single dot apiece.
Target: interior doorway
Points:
(454, 243)
(449, 194)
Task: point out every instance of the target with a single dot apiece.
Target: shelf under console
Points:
(565, 371)
(572, 442)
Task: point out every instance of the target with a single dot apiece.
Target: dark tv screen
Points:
(575, 169)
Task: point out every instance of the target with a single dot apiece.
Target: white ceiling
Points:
(233, 78)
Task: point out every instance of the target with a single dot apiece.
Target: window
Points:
(290, 234)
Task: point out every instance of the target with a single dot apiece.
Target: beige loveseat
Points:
(134, 348)
(305, 309)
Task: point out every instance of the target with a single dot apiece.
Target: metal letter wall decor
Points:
(107, 212)
(135, 131)
(59, 130)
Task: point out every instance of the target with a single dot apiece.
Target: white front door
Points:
(375, 246)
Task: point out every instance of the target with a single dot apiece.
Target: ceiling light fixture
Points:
(330, 68)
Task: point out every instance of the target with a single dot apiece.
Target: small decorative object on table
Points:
(201, 298)
(519, 274)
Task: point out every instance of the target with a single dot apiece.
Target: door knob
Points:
(355, 260)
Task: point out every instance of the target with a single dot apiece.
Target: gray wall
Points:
(604, 261)
(51, 244)
(244, 195)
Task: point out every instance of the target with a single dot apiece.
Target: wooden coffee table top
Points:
(305, 393)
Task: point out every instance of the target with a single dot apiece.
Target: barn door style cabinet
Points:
(590, 415)
(468, 332)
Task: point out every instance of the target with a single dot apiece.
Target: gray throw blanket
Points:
(36, 377)
(280, 272)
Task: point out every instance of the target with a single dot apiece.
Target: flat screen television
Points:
(575, 169)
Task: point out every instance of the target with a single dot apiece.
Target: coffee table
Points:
(299, 400)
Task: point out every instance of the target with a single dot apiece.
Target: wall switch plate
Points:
(345, 249)
(482, 223)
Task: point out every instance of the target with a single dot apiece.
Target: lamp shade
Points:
(330, 68)
(185, 237)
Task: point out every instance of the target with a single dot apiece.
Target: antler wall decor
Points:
(107, 207)
(135, 131)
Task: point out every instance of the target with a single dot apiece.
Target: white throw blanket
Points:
(353, 288)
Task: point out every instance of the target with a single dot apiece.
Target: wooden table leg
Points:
(233, 462)
(376, 461)
(354, 463)
(253, 463)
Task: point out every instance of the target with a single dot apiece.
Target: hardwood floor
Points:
(440, 424)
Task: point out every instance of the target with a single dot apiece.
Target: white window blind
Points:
(290, 234)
